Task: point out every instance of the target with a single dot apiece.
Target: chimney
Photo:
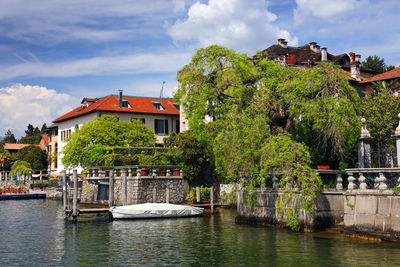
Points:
(314, 47)
(355, 66)
(120, 98)
(282, 42)
(324, 54)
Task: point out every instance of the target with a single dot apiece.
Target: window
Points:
(161, 126)
(176, 106)
(158, 106)
(178, 126)
(125, 104)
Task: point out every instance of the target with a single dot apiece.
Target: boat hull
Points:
(154, 211)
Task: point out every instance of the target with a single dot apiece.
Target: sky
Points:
(53, 53)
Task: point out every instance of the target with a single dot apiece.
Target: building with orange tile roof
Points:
(160, 114)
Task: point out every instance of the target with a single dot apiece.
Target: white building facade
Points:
(159, 114)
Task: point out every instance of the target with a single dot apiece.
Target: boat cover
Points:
(154, 210)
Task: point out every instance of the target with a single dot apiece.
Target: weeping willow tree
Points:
(270, 118)
(20, 167)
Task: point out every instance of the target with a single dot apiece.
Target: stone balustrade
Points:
(373, 178)
(143, 171)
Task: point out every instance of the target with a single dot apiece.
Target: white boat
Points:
(154, 210)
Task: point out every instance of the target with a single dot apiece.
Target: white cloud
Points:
(243, 25)
(24, 104)
(324, 8)
(122, 64)
(49, 22)
(179, 5)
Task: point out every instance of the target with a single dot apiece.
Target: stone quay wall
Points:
(139, 190)
(372, 212)
(328, 212)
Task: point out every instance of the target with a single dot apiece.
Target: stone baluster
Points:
(138, 174)
(364, 147)
(351, 180)
(129, 172)
(6, 176)
(398, 182)
(274, 181)
(168, 172)
(154, 172)
(181, 172)
(362, 180)
(1, 176)
(397, 136)
(376, 181)
(339, 180)
(382, 181)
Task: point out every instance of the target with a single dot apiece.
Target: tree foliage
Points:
(32, 135)
(34, 155)
(106, 130)
(268, 117)
(197, 156)
(381, 109)
(20, 167)
(9, 137)
(376, 63)
(5, 157)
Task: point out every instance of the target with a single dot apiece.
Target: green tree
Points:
(32, 135)
(376, 63)
(34, 155)
(381, 109)
(106, 130)
(197, 156)
(5, 157)
(43, 129)
(215, 80)
(257, 105)
(9, 137)
(20, 167)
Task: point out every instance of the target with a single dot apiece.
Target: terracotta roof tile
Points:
(11, 146)
(391, 74)
(111, 103)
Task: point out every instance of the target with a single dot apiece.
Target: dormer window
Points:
(158, 105)
(125, 104)
(176, 106)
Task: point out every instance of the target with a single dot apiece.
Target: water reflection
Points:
(34, 233)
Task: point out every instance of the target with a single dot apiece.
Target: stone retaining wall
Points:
(328, 212)
(373, 213)
(139, 190)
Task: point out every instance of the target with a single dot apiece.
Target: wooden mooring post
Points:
(212, 199)
(75, 200)
(64, 187)
(111, 188)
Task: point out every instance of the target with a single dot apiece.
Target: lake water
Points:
(34, 233)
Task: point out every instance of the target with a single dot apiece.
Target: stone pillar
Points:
(1, 176)
(40, 176)
(154, 195)
(339, 180)
(364, 147)
(198, 194)
(111, 188)
(397, 136)
(274, 181)
(6, 176)
(124, 188)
